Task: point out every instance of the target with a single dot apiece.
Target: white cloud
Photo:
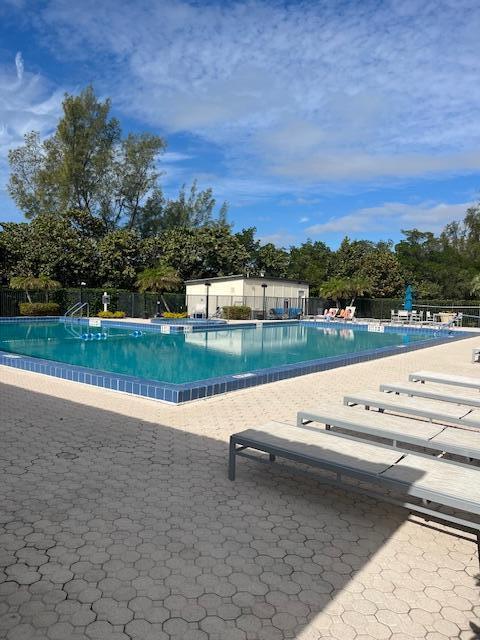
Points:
(307, 91)
(19, 65)
(304, 219)
(391, 217)
(280, 238)
(174, 156)
(27, 102)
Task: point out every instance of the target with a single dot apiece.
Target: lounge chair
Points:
(444, 378)
(396, 429)
(349, 313)
(425, 484)
(415, 317)
(278, 314)
(476, 355)
(422, 408)
(433, 392)
(294, 313)
(199, 311)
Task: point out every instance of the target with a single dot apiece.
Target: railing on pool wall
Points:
(78, 308)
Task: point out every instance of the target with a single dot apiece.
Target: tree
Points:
(85, 166)
(190, 212)
(34, 283)
(475, 286)
(160, 279)
(312, 262)
(383, 272)
(199, 253)
(51, 246)
(121, 257)
(426, 258)
(339, 289)
(271, 260)
(348, 258)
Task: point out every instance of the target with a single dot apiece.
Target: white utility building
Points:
(255, 292)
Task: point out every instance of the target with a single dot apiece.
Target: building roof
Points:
(241, 277)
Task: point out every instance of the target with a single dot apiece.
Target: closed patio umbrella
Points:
(408, 300)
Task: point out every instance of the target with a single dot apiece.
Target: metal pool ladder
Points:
(77, 308)
(72, 313)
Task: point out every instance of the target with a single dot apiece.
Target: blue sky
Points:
(312, 119)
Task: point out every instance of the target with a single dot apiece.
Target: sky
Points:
(312, 119)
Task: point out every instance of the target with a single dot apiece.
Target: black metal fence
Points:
(134, 304)
(381, 308)
(138, 305)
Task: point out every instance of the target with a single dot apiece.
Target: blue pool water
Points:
(188, 357)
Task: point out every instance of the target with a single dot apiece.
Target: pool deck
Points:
(117, 521)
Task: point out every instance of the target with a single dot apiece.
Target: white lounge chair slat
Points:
(350, 453)
(451, 436)
(397, 428)
(449, 480)
(440, 392)
(431, 376)
(418, 407)
(358, 420)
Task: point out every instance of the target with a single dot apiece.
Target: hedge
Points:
(111, 314)
(39, 309)
(237, 313)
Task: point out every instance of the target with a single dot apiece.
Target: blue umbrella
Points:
(408, 301)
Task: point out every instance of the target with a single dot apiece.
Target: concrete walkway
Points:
(117, 521)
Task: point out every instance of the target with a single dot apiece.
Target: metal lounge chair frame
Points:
(432, 376)
(424, 391)
(428, 503)
(396, 434)
(383, 402)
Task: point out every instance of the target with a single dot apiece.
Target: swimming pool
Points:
(182, 366)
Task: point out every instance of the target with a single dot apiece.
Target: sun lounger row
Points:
(334, 313)
(425, 448)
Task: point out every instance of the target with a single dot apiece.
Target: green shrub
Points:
(111, 314)
(39, 309)
(237, 313)
(172, 314)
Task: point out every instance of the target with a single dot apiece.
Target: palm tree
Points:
(335, 289)
(359, 286)
(339, 289)
(475, 285)
(160, 279)
(34, 283)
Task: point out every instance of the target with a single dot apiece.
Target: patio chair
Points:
(425, 484)
(199, 311)
(294, 313)
(349, 313)
(403, 315)
(278, 313)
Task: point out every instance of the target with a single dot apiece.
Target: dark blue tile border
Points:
(180, 393)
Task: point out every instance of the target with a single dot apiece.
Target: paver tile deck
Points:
(117, 521)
